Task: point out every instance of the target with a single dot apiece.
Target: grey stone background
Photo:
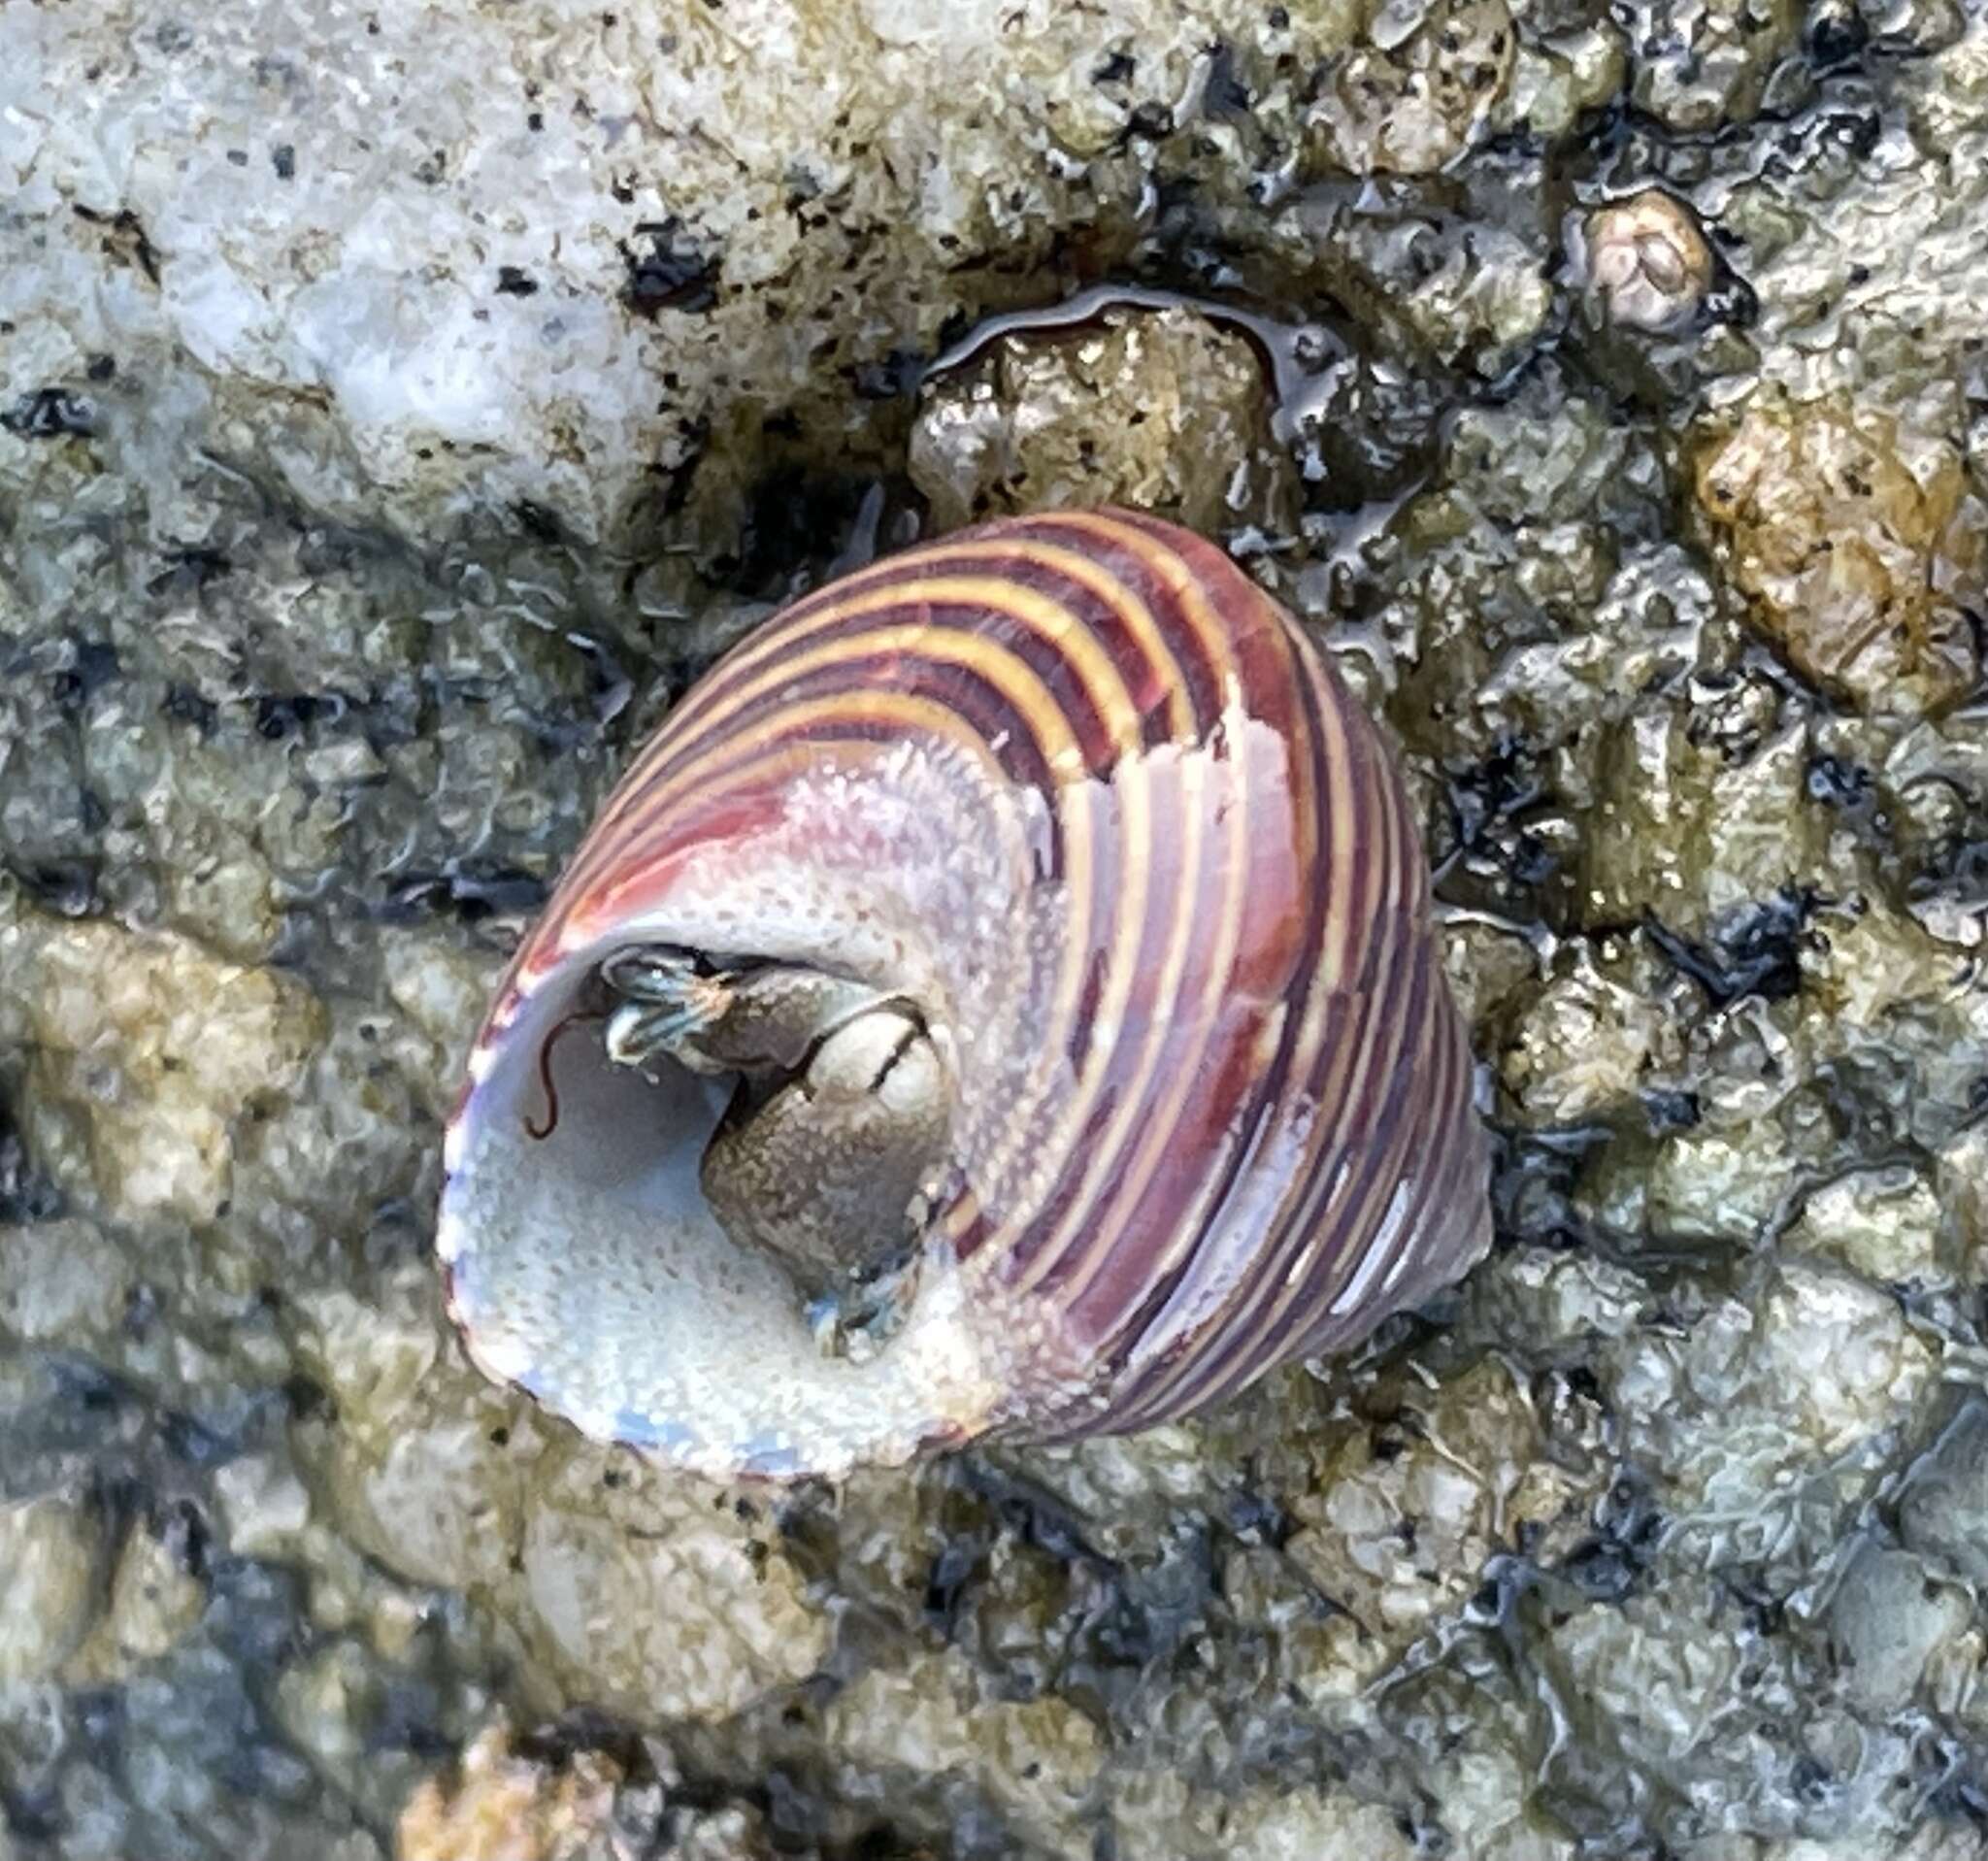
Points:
(398, 406)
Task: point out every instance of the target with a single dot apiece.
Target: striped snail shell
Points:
(1000, 1000)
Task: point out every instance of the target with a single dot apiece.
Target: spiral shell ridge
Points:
(1078, 783)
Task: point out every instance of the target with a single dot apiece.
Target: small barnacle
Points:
(1649, 263)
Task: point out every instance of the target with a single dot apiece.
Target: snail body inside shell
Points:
(836, 1134)
(1001, 997)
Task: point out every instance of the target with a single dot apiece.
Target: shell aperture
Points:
(1001, 998)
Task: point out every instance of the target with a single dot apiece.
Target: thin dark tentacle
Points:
(538, 1133)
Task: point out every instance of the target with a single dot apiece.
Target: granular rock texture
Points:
(398, 407)
(1849, 539)
(1155, 410)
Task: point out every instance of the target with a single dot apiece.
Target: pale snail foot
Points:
(837, 1132)
(859, 1322)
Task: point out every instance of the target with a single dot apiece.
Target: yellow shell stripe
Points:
(1134, 616)
(1121, 1183)
(683, 756)
(1137, 617)
(1305, 1224)
(1350, 853)
(1365, 1221)
(1349, 1229)
(1191, 1227)
(828, 606)
(1048, 1140)
(688, 763)
(795, 753)
(1438, 1059)
(1105, 690)
(710, 758)
(764, 759)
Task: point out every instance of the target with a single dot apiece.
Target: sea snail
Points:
(1001, 1000)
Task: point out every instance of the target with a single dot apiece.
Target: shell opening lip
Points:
(585, 1268)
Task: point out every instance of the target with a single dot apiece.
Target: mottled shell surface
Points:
(1074, 785)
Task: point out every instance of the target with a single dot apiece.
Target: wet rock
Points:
(320, 1701)
(923, 1732)
(1419, 89)
(653, 1597)
(1124, 1492)
(1953, 98)
(1589, 1042)
(1945, 1498)
(502, 1806)
(1564, 71)
(151, 1056)
(156, 1600)
(907, 1546)
(364, 498)
(1759, 1457)
(1400, 1521)
(1280, 1826)
(1721, 1185)
(50, 1547)
(1491, 967)
(1871, 963)
(1645, 629)
(1929, 786)
(342, 1160)
(617, 376)
(1887, 1620)
(575, 1790)
(1555, 1300)
(264, 1506)
(1653, 1682)
(1962, 1182)
(1882, 1223)
(1857, 545)
(1318, 1653)
(1429, 293)
(442, 991)
(62, 1281)
(1701, 63)
(1740, 826)
(1135, 412)
(1487, 643)
(722, 1835)
(1488, 1790)
(340, 1707)
(1931, 1842)
(422, 1463)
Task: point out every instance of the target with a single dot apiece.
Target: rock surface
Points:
(398, 409)
(1854, 540)
(1131, 413)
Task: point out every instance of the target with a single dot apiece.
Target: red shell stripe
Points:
(1292, 1250)
(1253, 1098)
